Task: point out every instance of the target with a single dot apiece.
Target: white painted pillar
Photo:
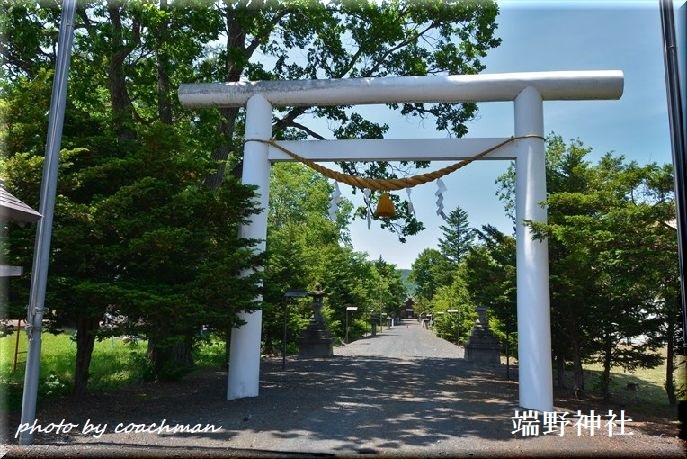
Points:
(532, 257)
(244, 352)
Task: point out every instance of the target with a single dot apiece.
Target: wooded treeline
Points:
(614, 280)
(149, 196)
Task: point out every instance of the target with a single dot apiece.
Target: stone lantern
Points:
(316, 340)
(482, 346)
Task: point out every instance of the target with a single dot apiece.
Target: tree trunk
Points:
(507, 352)
(170, 361)
(233, 68)
(578, 371)
(122, 110)
(164, 102)
(151, 350)
(221, 153)
(85, 341)
(182, 352)
(560, 371)
(606, 374)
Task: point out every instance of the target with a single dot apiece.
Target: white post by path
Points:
(244, 352)
(532, 257)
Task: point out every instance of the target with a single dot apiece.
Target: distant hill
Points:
(410, 286)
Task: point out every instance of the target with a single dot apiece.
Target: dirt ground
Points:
(420, 399)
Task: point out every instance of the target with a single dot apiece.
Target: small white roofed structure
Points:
(13, 209)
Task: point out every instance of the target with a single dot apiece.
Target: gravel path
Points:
(407, 340)
(403, 392)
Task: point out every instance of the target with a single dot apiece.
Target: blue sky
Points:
(541, 36)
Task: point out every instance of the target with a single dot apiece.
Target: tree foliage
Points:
(457, 238)
(147, 210)
(453, 310)
(343, 39)
(613, 261)
(133, 231)
(443, 281)
(429, 272)
(491, 277)
(304, 247)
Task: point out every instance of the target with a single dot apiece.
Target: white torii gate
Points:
(527, 91)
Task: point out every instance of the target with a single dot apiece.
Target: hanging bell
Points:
(385, 207)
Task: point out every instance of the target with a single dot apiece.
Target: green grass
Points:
(649, 398)
(210, 353)
(650, 393)
(114, 364)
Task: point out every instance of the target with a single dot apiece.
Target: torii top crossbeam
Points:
(562, 85)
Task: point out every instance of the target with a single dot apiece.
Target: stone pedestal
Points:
(316, 340)
(482, 345)
(375, 323)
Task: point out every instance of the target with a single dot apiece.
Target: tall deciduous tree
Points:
(430, 271)
(392, 291)
(299, 237)
(455, 325)
(343, 39)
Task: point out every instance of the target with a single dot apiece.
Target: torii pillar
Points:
(532, 256)
(527, 91)
(244, 348)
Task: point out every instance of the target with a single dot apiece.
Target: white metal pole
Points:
(244, 352)
(532, 257)
(41, 256)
